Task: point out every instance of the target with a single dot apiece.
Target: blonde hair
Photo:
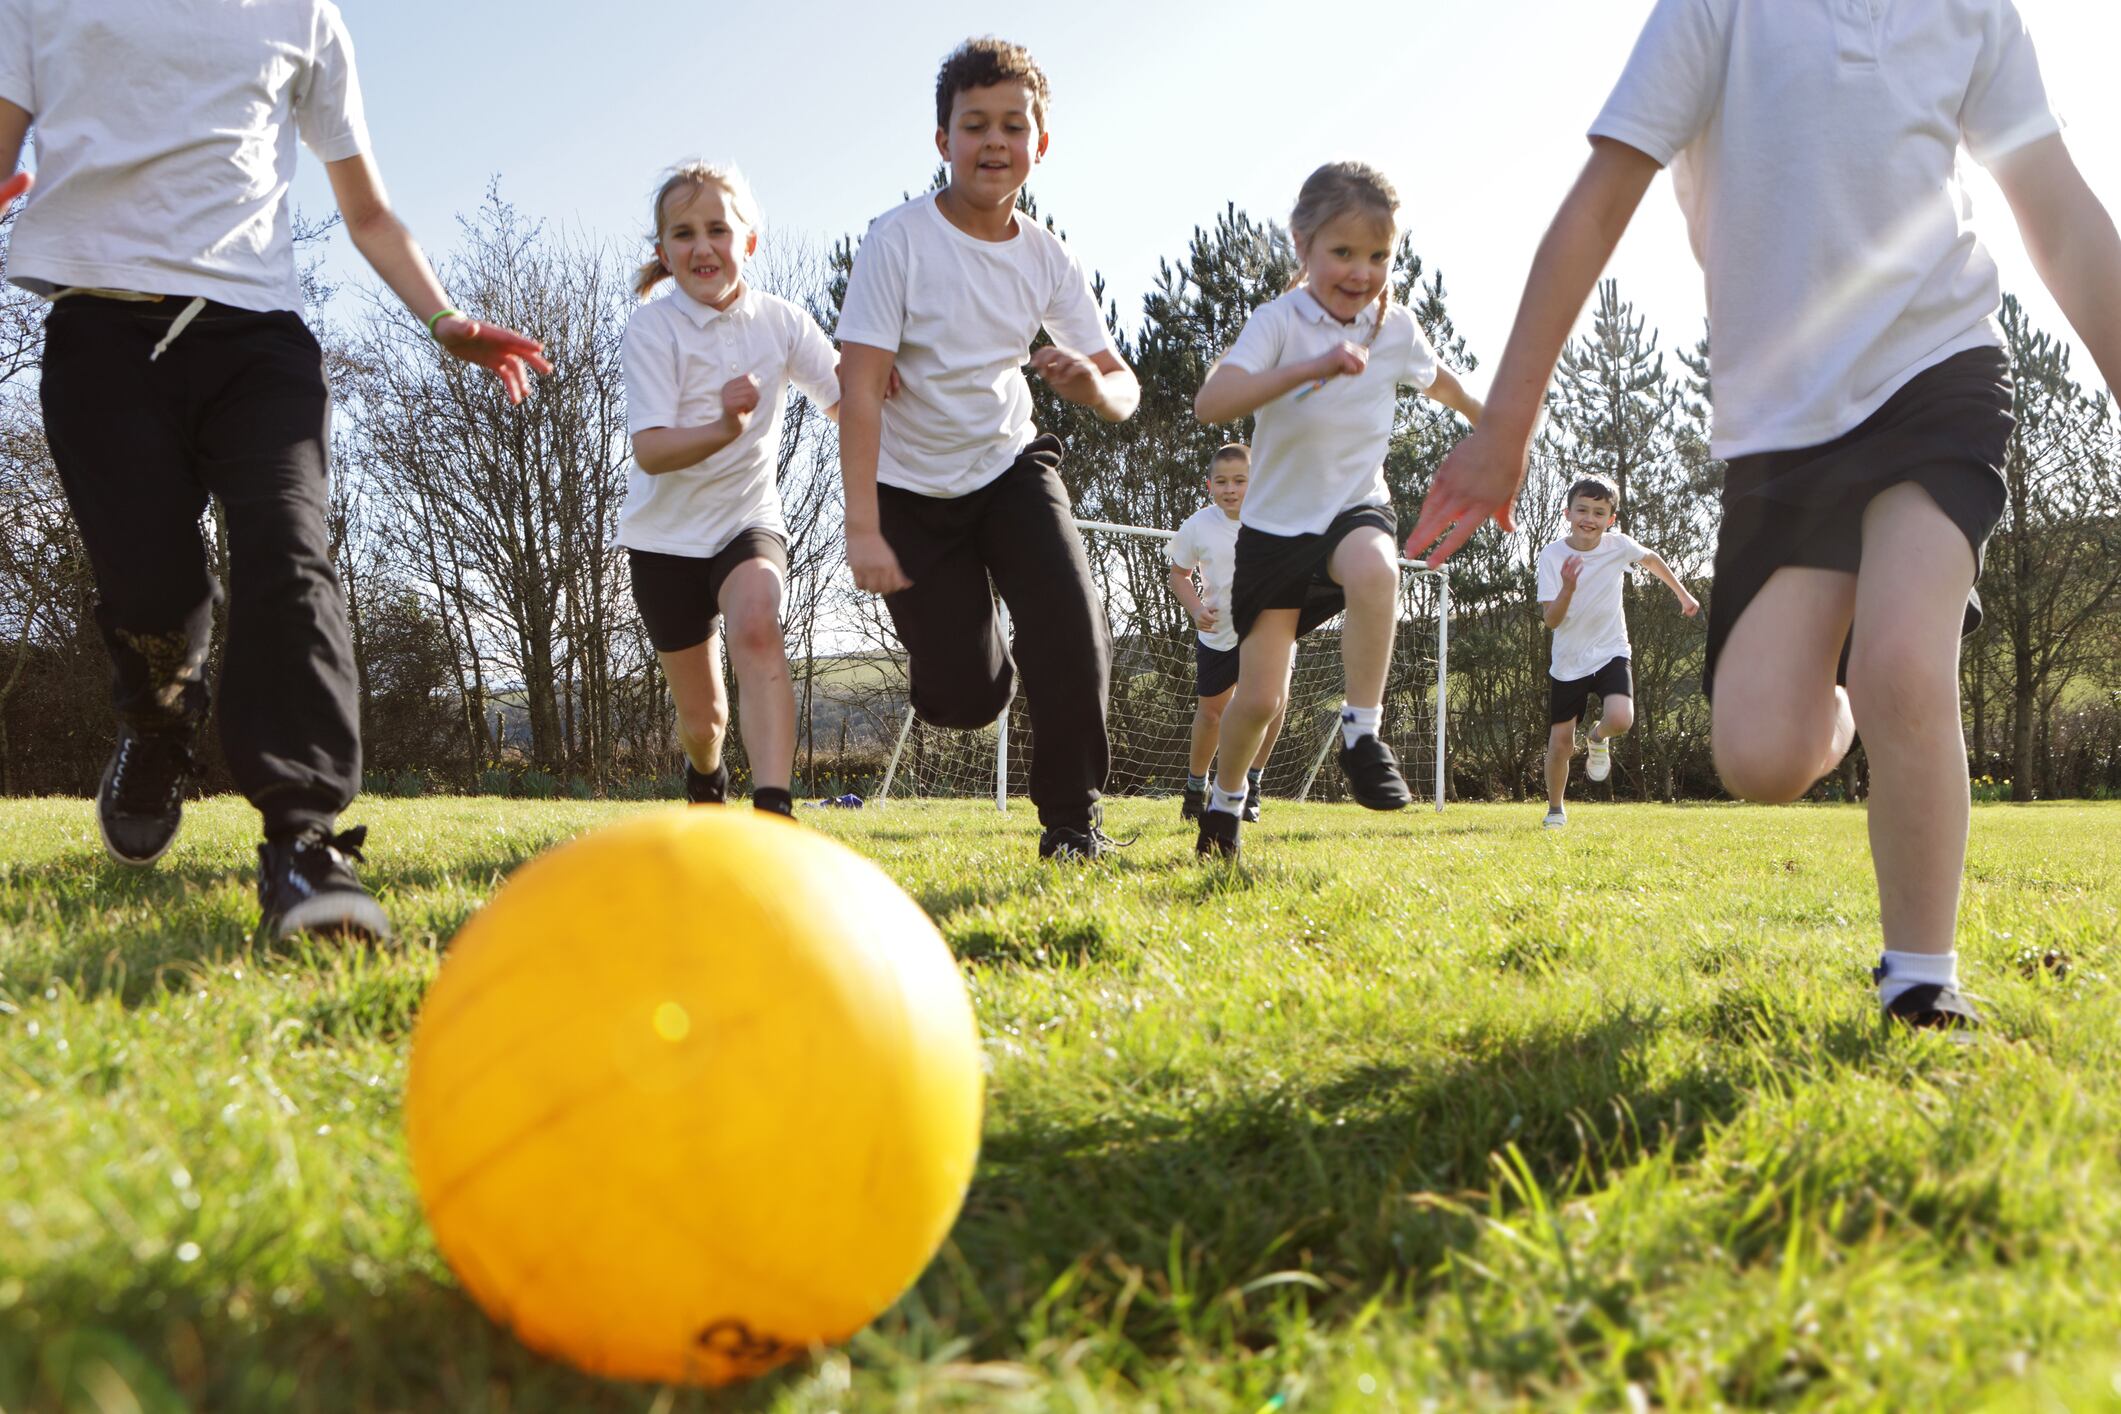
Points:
(1331, 192)
(690, 177)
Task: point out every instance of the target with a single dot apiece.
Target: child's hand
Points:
(13, 187)
(1478, 480)
(892, 385)
(510, 355)
(1688, 604)
(1347, 361)
(875, 566)
(740, 399)
(1075, 378)
(1204, 619)
(1570, 569)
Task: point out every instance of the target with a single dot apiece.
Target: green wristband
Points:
(437, 317)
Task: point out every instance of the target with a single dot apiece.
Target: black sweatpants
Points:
(1019, 529)
(235, 408)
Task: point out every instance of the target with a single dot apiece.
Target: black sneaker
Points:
(1250, 814)
(1086, 842)
(1196, 800)
(772, 800)
(141, 801)
(705, 788)
(1373, 775)
(1927, 1006)
(1218, 835)
(307, 885)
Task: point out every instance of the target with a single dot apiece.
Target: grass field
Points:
(1416, 1112)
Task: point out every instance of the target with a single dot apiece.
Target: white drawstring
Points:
(176, 327)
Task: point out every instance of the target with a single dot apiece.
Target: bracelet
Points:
(438, 316)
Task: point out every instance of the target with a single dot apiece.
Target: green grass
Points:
(1411, 1112)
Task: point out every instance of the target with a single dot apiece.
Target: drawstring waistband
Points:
(176, 326)
(184, 316)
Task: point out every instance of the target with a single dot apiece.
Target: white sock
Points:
(1359, 722)
(1915, 969)
(1230, 802)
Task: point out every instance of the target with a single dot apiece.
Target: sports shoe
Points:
(307, 885)
(707, 788)
(1251, 811)
(772, 800)
(141, 800)
(1218, 835)
(1598, 760)
(1086, 842)
(1194, 802)
(1373, 775)
(1557, 819)
(1929, 1006)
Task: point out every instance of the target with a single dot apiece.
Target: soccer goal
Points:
(1152, 695)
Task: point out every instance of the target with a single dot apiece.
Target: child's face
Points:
(1347, 261)
(992, 142)
(1227, 482)
(1590, 515)
(705, 243)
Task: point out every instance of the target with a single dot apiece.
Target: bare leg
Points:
(1615, 715)
(751, 602)
(1366, 566)
(1207, 722)
(1260, 697)
(695, 677)
(1266, 748)
(1561, 745)
(1778, 723)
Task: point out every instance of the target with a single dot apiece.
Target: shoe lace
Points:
(150, 772)
(320, 856)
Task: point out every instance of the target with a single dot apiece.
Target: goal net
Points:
(1151, 715)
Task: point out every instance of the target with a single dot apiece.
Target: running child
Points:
(1321, 366)
(949, 486)
(177, 370)
(1206, 545)
(1863, 400)
(1579, 579)
(707, 370)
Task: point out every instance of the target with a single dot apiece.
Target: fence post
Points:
(1443, 673)
(883, 792)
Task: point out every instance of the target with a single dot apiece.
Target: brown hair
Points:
(690, 177)
(1595, 487)
(1230, 452)
(979, 62)
(1333, 191)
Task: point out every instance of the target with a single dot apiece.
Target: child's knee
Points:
(1619, 715)
(1260, 700)
(1369, 579)
(1895, 687)
(702, 723)
(1768, 764)
(1210, 710)
(755, 637)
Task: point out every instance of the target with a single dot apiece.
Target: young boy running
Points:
(1863, 401)
(1579, 597)
(948, 484)
(1207, 545)
(176, 369)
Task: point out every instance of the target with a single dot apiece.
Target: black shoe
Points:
(1196, 800)
(1250, 813)
(707, 788)
(307, 885)
(141, 801)
(1373, 776)
(773, 801)
(1086, 842)
(1930, 1007)
(1218, 835)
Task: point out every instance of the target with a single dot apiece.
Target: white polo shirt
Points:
(165, 140)
(1318, 455)
(1595, 630)
(1207, 542)
(676, 356)
(960, 315)
(1813, 147)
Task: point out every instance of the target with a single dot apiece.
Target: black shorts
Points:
(1290, 571)
(680, 596)
(1214, 670)
(1566, 700)
(1946, 431)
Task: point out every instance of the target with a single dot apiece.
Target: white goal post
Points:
(1152, 695)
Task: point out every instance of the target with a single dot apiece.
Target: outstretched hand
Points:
(1571, 569)
(1477, 482)
(512, 356)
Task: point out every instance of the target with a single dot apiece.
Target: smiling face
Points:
(992, 143)
(1590, 516)
(703, 241)
(1228, 480)
(1347, 261)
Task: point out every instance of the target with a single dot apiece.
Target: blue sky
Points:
(1162, 113)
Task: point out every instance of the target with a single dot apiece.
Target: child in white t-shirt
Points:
(1321, 367)
(1206, 545)
(1863, 400)
(707, 371)
(1579, 579)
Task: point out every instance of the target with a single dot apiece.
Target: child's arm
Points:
(1655, 564)
(14, 127)
(2072, 242)
(1479, 479)
(660, 449)
(1453, 395)
(1231, 392)
(1182, 587)
(1101, 382)
(392, 253)
(865, 376)
(1556, 609)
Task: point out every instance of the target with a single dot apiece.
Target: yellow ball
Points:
(692, 1094)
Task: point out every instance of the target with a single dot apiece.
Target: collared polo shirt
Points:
(165, 135)
(676, 357)
(1316, 455)
(1814, 147)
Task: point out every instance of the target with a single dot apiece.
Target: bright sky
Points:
(1162, 113)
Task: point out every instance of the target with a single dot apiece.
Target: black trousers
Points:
(1018, 529)
(235, 408)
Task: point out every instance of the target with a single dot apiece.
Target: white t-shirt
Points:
(1813, 147)
(165, 140)
(1318, 455)
(960, 314)
(676, 356)
(1208, 542)
(1595, 631)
